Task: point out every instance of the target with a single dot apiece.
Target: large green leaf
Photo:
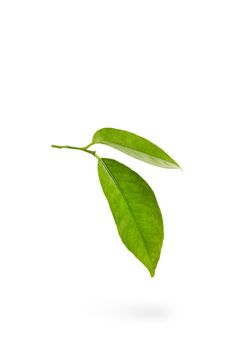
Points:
(135, 210)
(135, 146)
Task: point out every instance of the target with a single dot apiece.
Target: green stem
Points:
(89, 145)
(84, 149)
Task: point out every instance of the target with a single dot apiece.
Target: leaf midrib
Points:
(143, 153)
(129, 208)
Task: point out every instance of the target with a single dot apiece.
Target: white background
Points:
(164, 70)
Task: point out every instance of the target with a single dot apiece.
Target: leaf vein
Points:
(129, 208)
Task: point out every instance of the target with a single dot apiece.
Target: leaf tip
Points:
(177, 166)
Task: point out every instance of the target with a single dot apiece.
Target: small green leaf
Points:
(135, 146)
(135, 211)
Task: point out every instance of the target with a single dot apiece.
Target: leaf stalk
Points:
(84, 149)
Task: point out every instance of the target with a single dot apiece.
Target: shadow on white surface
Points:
(135, 312)
(146, 311)
(142, 312)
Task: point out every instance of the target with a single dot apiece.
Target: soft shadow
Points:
(140, 312)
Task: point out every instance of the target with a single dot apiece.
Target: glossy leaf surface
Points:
(135, 146)
(135, 211)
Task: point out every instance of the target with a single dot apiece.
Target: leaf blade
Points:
(135, 146)
(135, 210)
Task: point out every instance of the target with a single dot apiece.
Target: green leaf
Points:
(135, 146)
(135, 211)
